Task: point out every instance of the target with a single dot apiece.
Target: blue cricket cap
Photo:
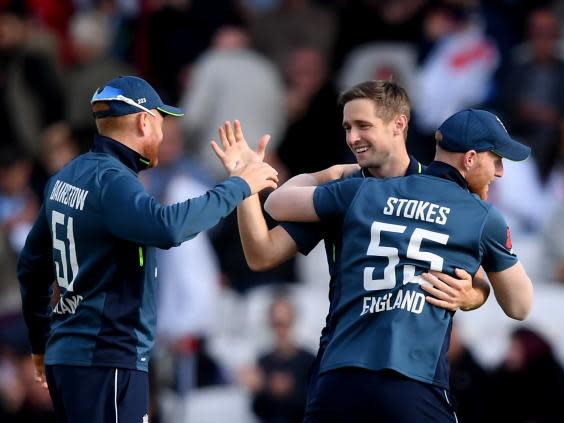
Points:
(479, 130)
(130, 94)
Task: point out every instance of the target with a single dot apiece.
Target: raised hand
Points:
(236, 152)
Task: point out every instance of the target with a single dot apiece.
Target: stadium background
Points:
(278, 66)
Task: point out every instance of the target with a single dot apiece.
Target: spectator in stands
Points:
(314, 120)
(533, 91)
(91, 34)
(457, 72)
(31, 95)
(363, 21)
(468, 382)
(18, 204)
(173, 34)
(22, 399)
(231, 80)
(529, 384)
(188, 278)
(294, 23)
(553, 248)
(278, 383)
(58, 147)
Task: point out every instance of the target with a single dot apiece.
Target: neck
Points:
(126, 140)
(394, 166)
(456, 160)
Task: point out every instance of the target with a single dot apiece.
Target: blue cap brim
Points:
(169, 110)
(513, 150)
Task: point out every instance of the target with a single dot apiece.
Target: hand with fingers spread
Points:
(452, 294)
(236, 152)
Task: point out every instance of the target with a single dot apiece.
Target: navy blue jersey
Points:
(394, 230)
(95, 236)
(308, 235)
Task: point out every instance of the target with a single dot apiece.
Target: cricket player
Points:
(95, 235)
(386, 360)
(376, 132)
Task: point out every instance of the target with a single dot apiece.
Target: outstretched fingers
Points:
(261, 148)
(223, 138)
(239, 137)
(217, 150)
(229, 133)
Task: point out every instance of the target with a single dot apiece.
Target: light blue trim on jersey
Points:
(148, 318)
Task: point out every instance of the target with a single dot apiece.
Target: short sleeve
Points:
(305, 235)
(334, 198)
(495, 243)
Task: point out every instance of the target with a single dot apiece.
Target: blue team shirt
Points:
(95, 235)
(394, 230)
(308, 235)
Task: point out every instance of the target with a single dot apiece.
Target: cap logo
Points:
(501, 123)
(141, 100)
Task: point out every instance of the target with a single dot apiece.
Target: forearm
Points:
(263, 248)
(207, 210)
(480, 292)
(133, 215)
(302, 180)
(292, 204)
(36, 314)
(293, 201)
(36, 274)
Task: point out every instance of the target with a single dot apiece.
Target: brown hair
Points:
(389, 98)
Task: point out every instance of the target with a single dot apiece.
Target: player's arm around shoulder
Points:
(264, 248)
(294, 200)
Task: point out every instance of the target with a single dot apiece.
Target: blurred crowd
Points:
(278, 66)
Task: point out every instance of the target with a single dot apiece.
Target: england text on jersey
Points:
(405, 299)
(416, 209)
(67, 305)
(69, 195)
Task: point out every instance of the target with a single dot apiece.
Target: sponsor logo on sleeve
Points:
(508, 243)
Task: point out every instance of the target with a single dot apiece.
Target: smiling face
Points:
(485, 169)
(370, 138)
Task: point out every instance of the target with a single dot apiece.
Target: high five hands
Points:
(240, 160)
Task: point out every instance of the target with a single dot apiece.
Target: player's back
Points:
(393, 231)
(98, 319)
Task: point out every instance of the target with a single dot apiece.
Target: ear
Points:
(142, 124)
(400, 123)
(469, 160)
